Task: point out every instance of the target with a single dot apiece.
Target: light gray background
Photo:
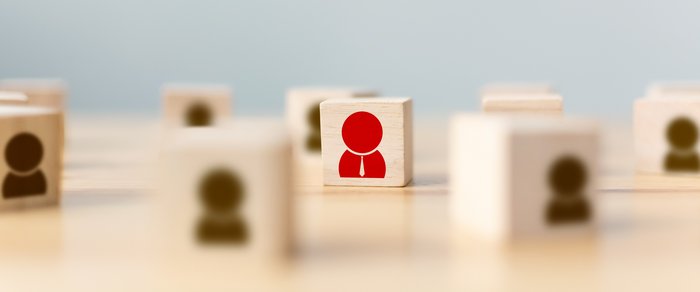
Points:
(116, 54)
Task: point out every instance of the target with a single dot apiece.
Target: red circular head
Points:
(362, 132)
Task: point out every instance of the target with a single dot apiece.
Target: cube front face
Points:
(32, 165)
(665, 135)
(367, 142)
(196, 110)
(552, 184)
(230, 197)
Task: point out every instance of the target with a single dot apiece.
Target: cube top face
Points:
(32, 140)
(517, 89)
(304, 117)
(367, 141)
(40, 92)
(54, 87)
(13, 98)
(523, 177)
(231, 189)
(546, 102)
(665, 134)
(196, 106)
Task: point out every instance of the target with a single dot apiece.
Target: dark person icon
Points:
(23, 155)
(567, 179)
(682, 134)
(362, 132)
(313, 141)
(198, 115)
(221, 194)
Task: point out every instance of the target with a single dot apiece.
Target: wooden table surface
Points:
(106, 236)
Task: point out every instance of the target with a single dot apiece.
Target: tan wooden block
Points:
(517, 89)
(547, 103)
(665, 134)
(524, 177)
(13, 98)
(51, 93)
(367, 141)
(33, 154)
(229, 188)
(674, 88)
(196, 105)
(304, 122)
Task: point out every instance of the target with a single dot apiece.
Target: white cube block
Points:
(304, 122)
(523, 177)
(367, 141)
(51, 93)
(33, 156)
(228, 187)
(195, 105)
(666, 133)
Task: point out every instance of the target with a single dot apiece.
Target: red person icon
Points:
(362, 133)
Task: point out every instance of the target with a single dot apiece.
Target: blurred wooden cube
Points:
(229, 187)
(33, 155)
(51, 93)
(666, 133)
(523, 177)
(367, 141)
(505, 88)
(521, 98)
(304, 122)
(526, 103)
(13, 98)
(674, 89)
(196, 105)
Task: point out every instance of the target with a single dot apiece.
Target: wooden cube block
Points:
(520, 98)
(33, 147)
(196, 105)
(523, 177)
(13, 98)
(367, 141)
(665, 134)
(517, 89)
(49, 93)
(524, 103)
(304, 122)
(229, 187)
(676, 88)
